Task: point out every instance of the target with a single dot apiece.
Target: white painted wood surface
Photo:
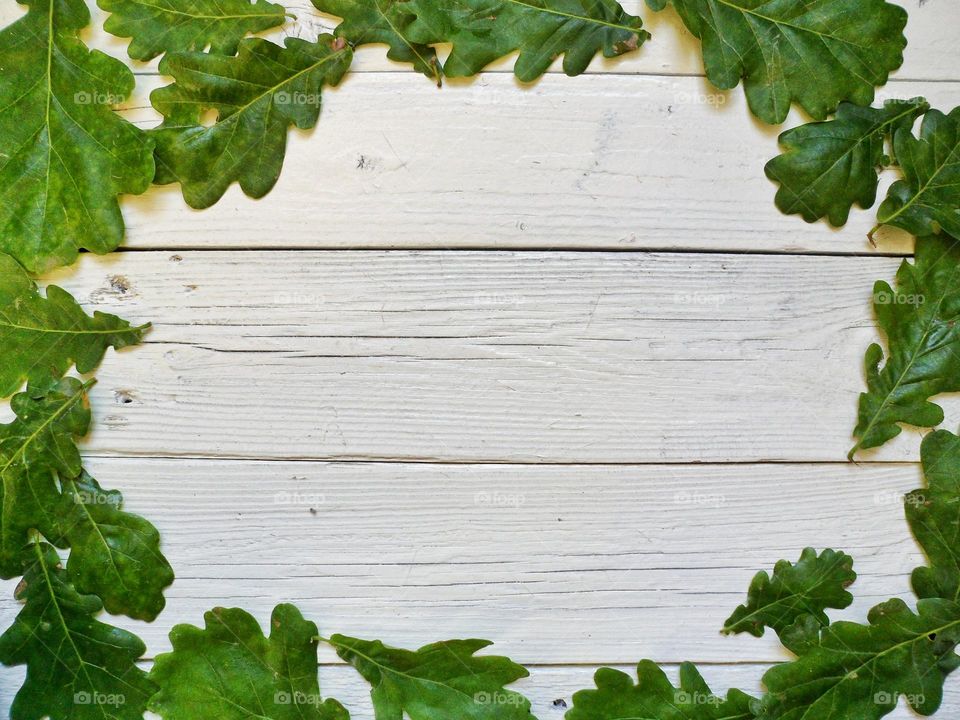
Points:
(558, 564)
(597, 162)
(556, 357)
(511, 443)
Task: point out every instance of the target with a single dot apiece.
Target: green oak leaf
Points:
(653, 696)
(36, 446)
(934, 516)
(230, 671)
(65, 155)
(807, 587)
(927, 200)
(383, 21)
(40, 338)
(77, 667)
(258, 94)
(923, 340)
(159, 26)
(802, 636)
(482, 31)
(829, 166)
(815, 53)
(862, 671)
(436, 682)
(113, 554)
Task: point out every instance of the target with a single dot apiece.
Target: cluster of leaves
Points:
(48, 501)
(843, 670)
(229, 669)
(825, 169)
(814, 53)
(66, 155)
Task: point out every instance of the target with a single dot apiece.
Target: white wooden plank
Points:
(596, 162)
(486, 356)
(931, 32)
(550, 689)
(557, 564)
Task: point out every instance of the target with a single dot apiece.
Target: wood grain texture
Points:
(598, 162)
(568, 564)
(486, 356)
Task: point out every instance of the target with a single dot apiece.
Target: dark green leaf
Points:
(934, 516)
(230, 671)
(113, 554)
(33, 448)
(387, 22)
(482, 31)
(927, 200)
(77, 668)
(815, 53)
(802, 636)
(923, 341)
(829, 166)
(653, 697)
(807, 587)
(437, 682)
(259, 94)
(159, 26)
(40, 338)
(862, 671)
(65, 155)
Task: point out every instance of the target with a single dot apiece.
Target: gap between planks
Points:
(378, 460)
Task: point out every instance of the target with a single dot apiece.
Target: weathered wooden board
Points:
(598, 162)
(557, 564)
(486, 356)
